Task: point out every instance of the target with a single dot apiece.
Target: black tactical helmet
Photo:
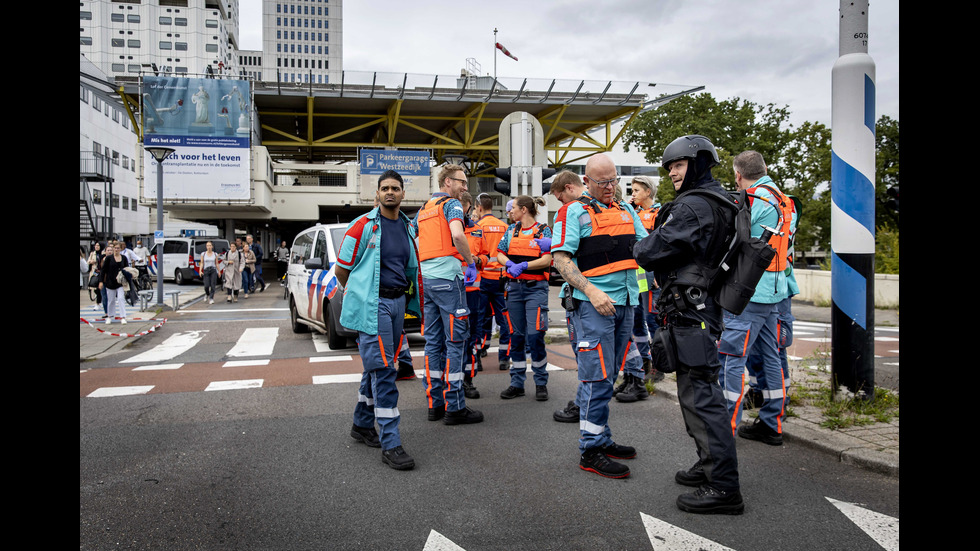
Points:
(688, 147)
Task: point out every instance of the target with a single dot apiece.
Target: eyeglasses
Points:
(604, 183)
(460, 180)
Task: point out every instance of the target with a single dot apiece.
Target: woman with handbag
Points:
(209, 271)
(234, 264)
(249, 270)
(111, 279)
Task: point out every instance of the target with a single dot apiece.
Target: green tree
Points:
(886, 170)
(732, 125)
(806, 174)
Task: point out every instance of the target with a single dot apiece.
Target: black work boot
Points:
(511, 392)
(397, 458)
(406, 371)
(540, 393)
(622, 386)
(367, 435)
(469, 390)
(760, 431)
(593, 460)
(635, 390)
(692, 477)
(568, 414)
(616, 451)
(711, 501)
(437, 413)
(465, 416)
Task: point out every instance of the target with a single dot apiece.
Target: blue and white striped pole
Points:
(852, 230)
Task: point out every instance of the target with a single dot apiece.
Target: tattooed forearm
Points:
(569, 271)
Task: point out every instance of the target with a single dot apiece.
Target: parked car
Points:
(181, 256)
(315, 295)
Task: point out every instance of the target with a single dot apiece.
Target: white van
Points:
(182, 255)
(315, 295)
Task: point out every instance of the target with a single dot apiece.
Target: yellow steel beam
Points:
(393, 112)
(127, 101)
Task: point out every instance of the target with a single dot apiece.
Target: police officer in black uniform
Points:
(689, 239)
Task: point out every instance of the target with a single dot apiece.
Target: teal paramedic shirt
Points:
(572, 223)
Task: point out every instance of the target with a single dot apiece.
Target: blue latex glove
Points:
(544, 243)
(471, 273)
(515, 270)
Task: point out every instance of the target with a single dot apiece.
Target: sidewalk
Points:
(96, 339)
(874, 447)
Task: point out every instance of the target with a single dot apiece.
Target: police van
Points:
(180, 257)
(315, 295)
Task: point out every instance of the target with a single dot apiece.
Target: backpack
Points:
(733, 281)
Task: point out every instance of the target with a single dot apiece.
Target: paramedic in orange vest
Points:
(592, 248)
(443, 251)
(755, 329)
(524, 253)
(478, 248)
(492, 304)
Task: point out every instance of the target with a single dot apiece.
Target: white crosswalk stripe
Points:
(255, 341)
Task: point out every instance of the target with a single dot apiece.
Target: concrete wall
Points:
(815, 287)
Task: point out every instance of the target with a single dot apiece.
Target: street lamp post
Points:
(159, 153)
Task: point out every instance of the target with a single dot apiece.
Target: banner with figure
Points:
(208, 123)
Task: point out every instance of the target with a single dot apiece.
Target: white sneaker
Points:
(108, 320)
(211, 301)
(123, 321)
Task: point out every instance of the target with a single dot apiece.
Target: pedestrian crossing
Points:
(247, 363)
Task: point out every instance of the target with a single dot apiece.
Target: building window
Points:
(125, 162)
(115, 200)
(211, 47)
(86, 15)
(211, 23)
(181, 69)
(134, 68)
(125, 203)
(85, 40)
(132, 204)
(166, 20)
(180, 45)
(133, 18)
(180, 21)
(97, 196)
(166, 45)
(83, 93)
(133, 43)
(118, 43)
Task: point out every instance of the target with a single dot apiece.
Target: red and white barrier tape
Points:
(141, 333)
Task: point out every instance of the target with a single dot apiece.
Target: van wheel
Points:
(178, 277)
(298, 327)
(334, 340)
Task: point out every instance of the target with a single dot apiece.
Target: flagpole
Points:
(495, 54)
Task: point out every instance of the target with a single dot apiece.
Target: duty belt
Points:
(392, 292)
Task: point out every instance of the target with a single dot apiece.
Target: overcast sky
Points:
(765, 51)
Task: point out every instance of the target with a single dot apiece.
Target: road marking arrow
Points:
(667, 536)
(438, 542)
(882, 528)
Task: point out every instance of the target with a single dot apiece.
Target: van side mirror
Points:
(313, 264)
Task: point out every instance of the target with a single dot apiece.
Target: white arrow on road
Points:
(882, 528)
(667, 536)
(438, 542)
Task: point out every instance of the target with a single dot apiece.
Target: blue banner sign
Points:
(404, 162)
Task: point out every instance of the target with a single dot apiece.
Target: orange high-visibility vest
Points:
(522, 248)
(435, 238)
(648, 217)
(785, 207)
(493, 231)
(610, 247)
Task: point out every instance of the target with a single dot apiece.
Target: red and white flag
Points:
(506, 53)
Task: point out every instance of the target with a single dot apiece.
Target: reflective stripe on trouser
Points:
(377, 397)
(754, 328)
(602, 344)
(404, 352)
(633, 362)
(645, 322)
(527, 309)
(784, 320)
(446, 327)
(707, 421)
(494, 307)
(476, 321)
